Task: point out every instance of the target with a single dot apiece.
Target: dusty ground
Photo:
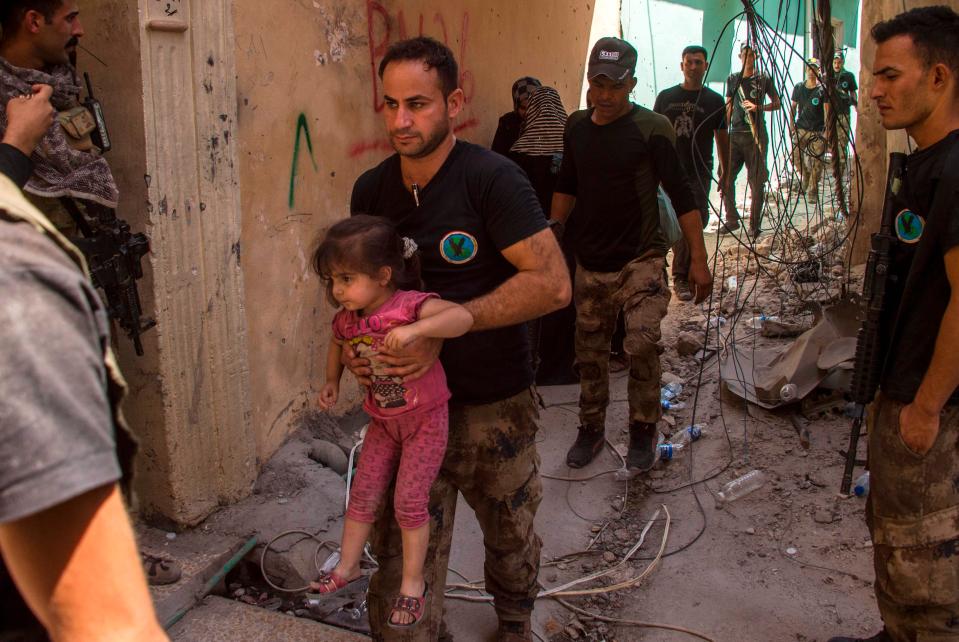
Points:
(790, 562)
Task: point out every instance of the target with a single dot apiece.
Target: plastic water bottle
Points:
(861, 487)
(742, 486)
(669, 451)
(670, 391)
(789, 393)
(673, 405)
(687, 435)
(731, 283)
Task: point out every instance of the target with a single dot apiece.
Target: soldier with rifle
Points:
(65, 175)
(70, 181)
(908, 345)
(746, 107)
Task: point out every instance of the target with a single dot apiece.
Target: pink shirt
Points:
(389, 396)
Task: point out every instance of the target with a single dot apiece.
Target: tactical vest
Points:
(17, 207)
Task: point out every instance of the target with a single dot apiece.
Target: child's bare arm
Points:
(334, 363)
(438, 320)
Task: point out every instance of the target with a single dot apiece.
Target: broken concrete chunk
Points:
(688, 344)
(330, 455)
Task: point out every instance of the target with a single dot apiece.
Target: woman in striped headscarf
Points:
(539, 151)
(539, 148)
(510, 123)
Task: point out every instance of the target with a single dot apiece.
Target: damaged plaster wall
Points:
(309, 124)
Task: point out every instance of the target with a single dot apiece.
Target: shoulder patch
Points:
(909, 226)
(458, 247)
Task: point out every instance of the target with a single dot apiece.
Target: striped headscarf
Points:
(522, 88)
(542, 133)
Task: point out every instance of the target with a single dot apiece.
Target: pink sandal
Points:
(328, 583)
(414, 606)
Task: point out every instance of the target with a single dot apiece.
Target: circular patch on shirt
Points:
(458, 247)
(909, 226)
(815, 102)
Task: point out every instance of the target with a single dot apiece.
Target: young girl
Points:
(374, 274)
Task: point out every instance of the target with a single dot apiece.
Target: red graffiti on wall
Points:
(384, 145)
(380, 32)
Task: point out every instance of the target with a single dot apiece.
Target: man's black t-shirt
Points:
(845, 86)
(919, 290)
(811, 114)
(614, 170)
(478, 204)
(753, 88)
(695, 115)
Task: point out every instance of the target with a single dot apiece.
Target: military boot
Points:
(588, 443)
(643, 442)
(514, 632)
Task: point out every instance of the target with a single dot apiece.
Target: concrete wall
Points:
(309, 124)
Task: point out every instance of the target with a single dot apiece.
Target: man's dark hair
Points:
(433, 54)
(13, 11)
(695, 49)
(934, 32)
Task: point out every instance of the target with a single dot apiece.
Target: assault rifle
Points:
(112, 251)
(113, 254)
(868, 363)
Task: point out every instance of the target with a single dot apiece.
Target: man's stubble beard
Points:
(429, 144)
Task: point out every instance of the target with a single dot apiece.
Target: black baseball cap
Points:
(612, 57)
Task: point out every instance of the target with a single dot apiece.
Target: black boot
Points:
(643, 441)
(882, 636)
(588, 443)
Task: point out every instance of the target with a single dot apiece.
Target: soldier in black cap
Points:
(615, 156)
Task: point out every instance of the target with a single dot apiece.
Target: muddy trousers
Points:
(913, 517)
(744, 151)
(641, 292)
(491, 459)
(807, 157)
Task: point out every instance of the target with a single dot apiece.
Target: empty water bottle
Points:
(789, 393)
(330, 563)
(861, 487)
(742, 486)
(687, 434)
(670, 391)
(673, 405)
(669, 451)
(731, 283)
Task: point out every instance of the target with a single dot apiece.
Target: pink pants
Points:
(414, 444)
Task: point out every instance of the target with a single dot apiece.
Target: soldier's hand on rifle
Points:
(750, 106)
(918, 428)
(28, 119)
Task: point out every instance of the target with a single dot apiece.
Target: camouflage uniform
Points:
(491, 458)
(807, 157)
(913, 516)
(640, 290)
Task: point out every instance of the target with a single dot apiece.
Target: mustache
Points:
(73, 42)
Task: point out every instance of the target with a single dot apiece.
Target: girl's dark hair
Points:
(365, 244)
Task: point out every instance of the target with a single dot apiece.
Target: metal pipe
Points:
(213, 581)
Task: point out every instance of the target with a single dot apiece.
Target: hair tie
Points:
(409, 247)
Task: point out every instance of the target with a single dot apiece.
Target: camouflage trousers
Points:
(491, 458)
(641, 292)
(913, 516)
(807, 157)
(843, 135)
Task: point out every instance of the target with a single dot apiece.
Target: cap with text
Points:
(612, 57)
